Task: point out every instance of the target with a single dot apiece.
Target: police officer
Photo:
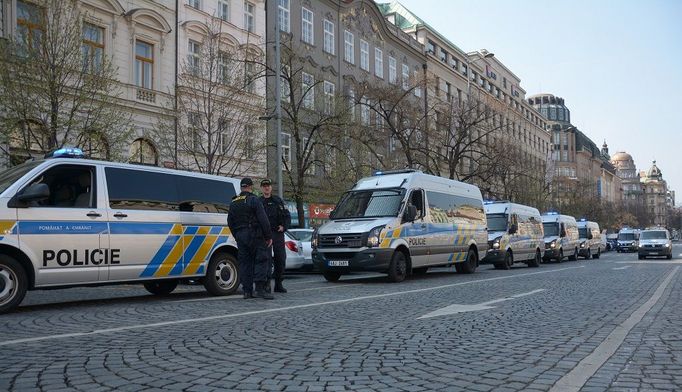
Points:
(251, 230)
(280, 220)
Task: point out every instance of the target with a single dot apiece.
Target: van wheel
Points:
(560, 258)
(420, 271)
(535, 262)
(469, 265)
(598, 255)
(397, 270)
(574, 256)
(331, 276)
(161, 287)
(222, 275)
(589, 254)
(669, 256)
(508, 260)
(13, 283)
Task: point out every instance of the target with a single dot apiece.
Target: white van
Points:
(514, 234)
(628, 240)
(403, 222)
(561, 236)
(68, 222)
(590, 238)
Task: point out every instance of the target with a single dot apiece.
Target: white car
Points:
(305, 236)
(294, 249)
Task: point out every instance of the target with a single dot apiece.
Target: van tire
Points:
(469, 265)
(589, 254)
(598, 255)
(560, 258)
(161, 287)
(222, 275)
(508, 260)
(397, 270)
(331, 276)
(13, 283)
(535, 262)
(574, 256)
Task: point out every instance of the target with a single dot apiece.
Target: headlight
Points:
(552, 244)
(373, 236)
(667, 245)
(314, 239)
(582, 244)
(496, 243)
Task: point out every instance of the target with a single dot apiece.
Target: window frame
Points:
(329, 40)
(364, 55)
(349, 47)
(249, 17)
(143, 61)
(307, 26)
(94, 46)
(378, 62)
(284, 15)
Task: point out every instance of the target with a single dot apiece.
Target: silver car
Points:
(294, 249)
(305, 236)
(655, 242)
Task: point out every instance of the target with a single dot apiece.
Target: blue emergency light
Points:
(67, 152)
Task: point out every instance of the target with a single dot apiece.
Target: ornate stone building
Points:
(655, 191)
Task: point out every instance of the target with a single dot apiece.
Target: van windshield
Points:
(551, 229)
(497, 222)
(11, 175)
(370, 203)
(582, 232)
(626, 236)
(653, 235)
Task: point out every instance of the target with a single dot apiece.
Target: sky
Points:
(617, 64)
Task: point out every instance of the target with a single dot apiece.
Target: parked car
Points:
(304, 236)
(611, 241)
(294, 249)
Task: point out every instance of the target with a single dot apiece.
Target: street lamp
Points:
(486, 55)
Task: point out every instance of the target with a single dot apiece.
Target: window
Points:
(144, 64)
(283, 16)
(30, 21)
(406, 76)
(364, 111)
(417, 200)
(224, 68)
(224, 10)
(249, 22)
(364, 55)
(194, 4)
(143, 152)
(328, 36)
(351, 104)
(224, 140)
(286, 147)
(417, 89)
(308, 90)
(430, 47)
(203, 195)
(194, 57)
(71, 186)
(92, 47)
(307, 26)
(250, 77)
(379, 63)
(447, 208)
(349, 47)
(443, 55)
(392, 71)
(329, 91)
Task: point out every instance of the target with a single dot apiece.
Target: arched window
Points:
(142, 151)
(95, 145)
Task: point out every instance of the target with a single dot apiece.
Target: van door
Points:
(147, 235)
(416, 232)
(68, 231)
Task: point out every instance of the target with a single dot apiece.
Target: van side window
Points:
(204, 195)
(417, 200)
(141, 190)
(448, 208)
(71, 186)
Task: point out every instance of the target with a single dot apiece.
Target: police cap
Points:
(246, 181)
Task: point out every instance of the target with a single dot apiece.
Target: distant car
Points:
(304, 236)
(655, 242)
(294, 249)
(612, 241)
(627, 240)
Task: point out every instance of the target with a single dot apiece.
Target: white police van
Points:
(590, 238)
(514, 234)
(561, 236)
(403, 222)
(68, 222)
(628, 240)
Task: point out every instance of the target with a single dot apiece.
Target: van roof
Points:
(553, 217)
(502, 207)
(586, 223)
(417, 179)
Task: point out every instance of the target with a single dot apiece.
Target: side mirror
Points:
(589, 236)
(331, 214)
(35, 192)
(513, 228)
(562, 234)
(410, 213)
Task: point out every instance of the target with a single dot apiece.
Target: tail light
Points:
(291, 245)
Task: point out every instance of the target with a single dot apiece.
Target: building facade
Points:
(656, 194)
(627, 171)
(147, 41)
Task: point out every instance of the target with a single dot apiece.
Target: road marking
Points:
(266, 311)
(239, 296)
(623, 268)
(651, 262)
(459, 308)
(578, 376)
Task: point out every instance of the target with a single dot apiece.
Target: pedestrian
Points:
(280, 220)
(250, 227)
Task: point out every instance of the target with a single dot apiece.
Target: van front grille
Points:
(340, 241)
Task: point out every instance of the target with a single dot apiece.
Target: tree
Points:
(57, 86)
(215, 129)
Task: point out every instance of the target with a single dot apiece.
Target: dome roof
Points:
(621, 156)
(654, 173)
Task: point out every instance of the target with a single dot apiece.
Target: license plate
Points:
(653, 253)
(338, 263)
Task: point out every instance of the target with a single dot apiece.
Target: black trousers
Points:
(253, 258)
(279, 256)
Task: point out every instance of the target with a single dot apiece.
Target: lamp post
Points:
(486, 55)
(278, 107)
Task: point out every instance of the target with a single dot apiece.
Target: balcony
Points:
(145, 95)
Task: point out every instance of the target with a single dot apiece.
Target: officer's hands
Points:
(280, 229)
(268, 243)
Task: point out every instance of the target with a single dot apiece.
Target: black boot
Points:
(279, 288)
(268, 286)
(261, 293)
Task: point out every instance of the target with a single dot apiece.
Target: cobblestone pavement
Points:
(534, 327)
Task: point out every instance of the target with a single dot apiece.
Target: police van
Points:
(403, 222)
(628, 240)
(68, 222)
(590, 239)
(514, 234)
(561, 236)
